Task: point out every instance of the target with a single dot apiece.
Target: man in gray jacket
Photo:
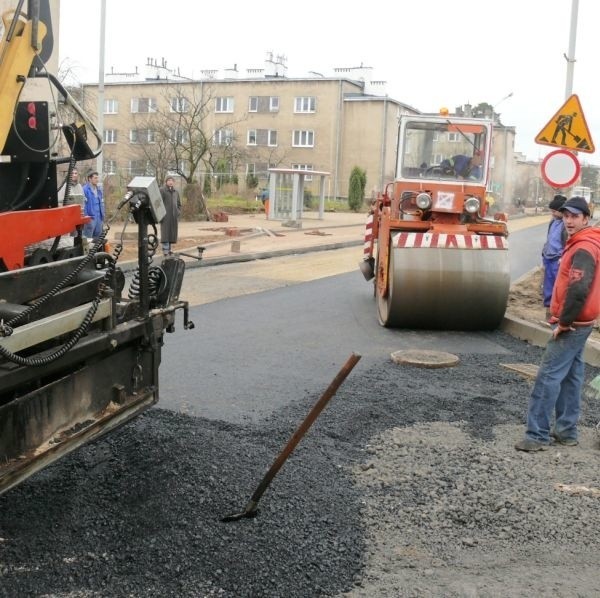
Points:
(169, 224)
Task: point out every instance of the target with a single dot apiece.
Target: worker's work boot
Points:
(563, 441)
(531, 446)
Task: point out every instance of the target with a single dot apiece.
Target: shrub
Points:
(251, 181)
(206, 188)
(356, 188)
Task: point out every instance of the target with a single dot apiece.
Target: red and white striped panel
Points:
(368, 235)
(447, 241)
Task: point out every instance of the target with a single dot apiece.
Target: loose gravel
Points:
(407, 485)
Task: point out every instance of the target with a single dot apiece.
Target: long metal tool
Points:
(251, 507)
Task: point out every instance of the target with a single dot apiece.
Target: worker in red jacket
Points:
(574, 307)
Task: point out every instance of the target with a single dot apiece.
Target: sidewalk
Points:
(252, 236)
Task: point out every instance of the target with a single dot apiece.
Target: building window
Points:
(109, 166)
(305, 104)
(223, 137)
(304, 167)
(139, 168)
(110, 135)
(437, 159)
(142, 136)
(143, 105)
(274, 104)
(179, 104)
(253, 104)
(453, 137)
(224, 104)
(251, 137)
(272, 138)
(250, 169)
(303, 139)
(179, 136)
(111, 106)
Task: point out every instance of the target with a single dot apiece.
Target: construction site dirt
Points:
(407, 485)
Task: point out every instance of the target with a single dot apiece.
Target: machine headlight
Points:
(472, 205)
(423, 201)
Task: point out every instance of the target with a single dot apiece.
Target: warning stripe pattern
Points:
(368, 235)
(448, 241)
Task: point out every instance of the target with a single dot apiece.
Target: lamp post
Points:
(570, 57)
(494, 106)
(100, 120)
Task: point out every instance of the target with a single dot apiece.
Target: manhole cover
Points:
(425, 359)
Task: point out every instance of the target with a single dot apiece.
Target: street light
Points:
(495, 105)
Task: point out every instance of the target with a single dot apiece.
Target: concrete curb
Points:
(539, 335)
(220, 260)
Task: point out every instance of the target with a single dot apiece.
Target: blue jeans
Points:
(92, 229)
(557, 388)
(550, 272)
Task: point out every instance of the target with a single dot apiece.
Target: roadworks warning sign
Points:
(568, 128)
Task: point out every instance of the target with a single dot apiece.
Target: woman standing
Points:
(169, 224)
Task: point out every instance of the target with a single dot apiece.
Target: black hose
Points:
(6, 329)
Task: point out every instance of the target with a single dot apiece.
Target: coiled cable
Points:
(6, 329)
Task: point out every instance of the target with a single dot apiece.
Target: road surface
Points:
(269, 329)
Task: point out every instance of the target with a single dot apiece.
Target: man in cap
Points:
(574, 307)
(553, 248)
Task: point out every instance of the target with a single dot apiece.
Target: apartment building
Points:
(250, 125)
(246, 125)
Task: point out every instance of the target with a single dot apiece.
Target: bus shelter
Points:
(286, 194)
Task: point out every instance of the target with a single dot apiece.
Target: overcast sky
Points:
(432, 53)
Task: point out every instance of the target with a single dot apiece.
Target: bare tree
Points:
(180, 140)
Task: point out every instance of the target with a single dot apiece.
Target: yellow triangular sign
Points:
(568, 129)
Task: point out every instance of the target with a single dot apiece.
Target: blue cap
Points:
(576, 205)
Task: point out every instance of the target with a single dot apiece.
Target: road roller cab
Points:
(438, 260)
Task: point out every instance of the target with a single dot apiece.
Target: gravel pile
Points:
(407, 485)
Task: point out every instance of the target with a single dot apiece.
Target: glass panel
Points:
(443, 150)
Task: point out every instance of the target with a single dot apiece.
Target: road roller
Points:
(437, 259)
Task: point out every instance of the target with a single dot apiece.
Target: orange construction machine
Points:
(438, 260)
(79, 354)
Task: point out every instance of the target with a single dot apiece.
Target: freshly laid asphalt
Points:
(250, 237)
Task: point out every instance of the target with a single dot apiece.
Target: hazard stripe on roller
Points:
(446, 241)
(368, 235)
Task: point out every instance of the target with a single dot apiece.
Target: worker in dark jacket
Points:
(574, 307)
(169, 224)
(553, 247)
(463, 166)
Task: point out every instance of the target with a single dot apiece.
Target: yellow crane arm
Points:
(16, 57)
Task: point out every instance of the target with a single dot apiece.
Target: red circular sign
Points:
(560, 168)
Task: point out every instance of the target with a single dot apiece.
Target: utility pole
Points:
(570, 57)
(100, 119)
